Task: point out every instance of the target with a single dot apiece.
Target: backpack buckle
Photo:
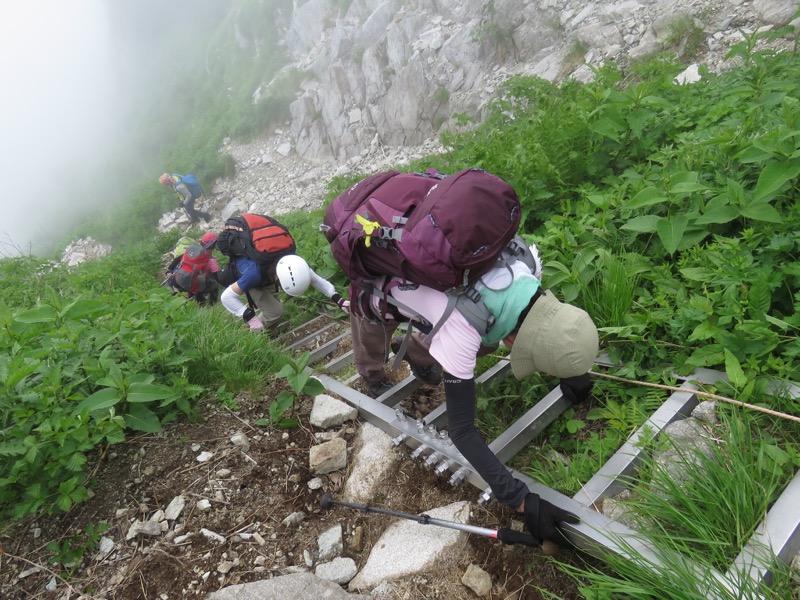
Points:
(472, 294)
(515, 247)
(391, 234)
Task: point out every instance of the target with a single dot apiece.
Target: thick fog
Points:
(57, 79)
(74, 75)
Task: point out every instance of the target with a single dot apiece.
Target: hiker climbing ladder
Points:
(430, 444)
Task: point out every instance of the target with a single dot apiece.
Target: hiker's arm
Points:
(325, 287)
(322, 285)
(231, 300)
(183, 191)
(213, 268)
(460, 397)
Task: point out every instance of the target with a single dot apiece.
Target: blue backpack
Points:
(191, 182)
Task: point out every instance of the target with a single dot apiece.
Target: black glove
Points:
(542, 520)
(249, 313)
(576, 389)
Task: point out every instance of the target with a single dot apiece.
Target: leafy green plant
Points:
(226, 398)
(609, 295)
(300, 383)
(75, 376)
(70, 552)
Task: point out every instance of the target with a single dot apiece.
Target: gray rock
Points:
(212, 535)
(293, 519)
(328, 457)
(175, 508)
(151, 528)
(706, 412)
(478, 580)
(690, 75)
(106, 547)
(225, 567)
(616, 509)
(776, 12)
(330, 543)
(328, 412)
(239, 439)
(297, 585)
(689, 441)
(407, 548)
(374, 457)
(340, 570)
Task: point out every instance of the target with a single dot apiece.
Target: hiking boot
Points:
(378, 388)
(431, 375)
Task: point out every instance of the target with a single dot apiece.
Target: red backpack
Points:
(258, 237)
(194, 272)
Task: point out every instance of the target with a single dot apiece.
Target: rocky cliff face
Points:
(386, 76)
(395, 72)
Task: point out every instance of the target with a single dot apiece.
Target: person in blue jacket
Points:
(188, 188)
(244, 277)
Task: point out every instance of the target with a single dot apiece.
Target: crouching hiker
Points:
(372, 338)
(262, 260)
(294, 277)
(443, 251)
(194, 270)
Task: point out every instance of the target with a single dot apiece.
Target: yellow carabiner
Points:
(369, 227)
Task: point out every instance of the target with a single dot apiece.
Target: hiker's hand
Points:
(576, 389)
(341, 303)
(542, 520)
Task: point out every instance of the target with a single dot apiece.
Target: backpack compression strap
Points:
(468, 302)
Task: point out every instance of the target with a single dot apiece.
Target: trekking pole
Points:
(505, 535)
(326, 302)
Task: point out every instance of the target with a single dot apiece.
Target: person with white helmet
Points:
(291, 272)
(295, 277)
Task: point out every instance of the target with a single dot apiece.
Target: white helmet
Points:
(294, 274)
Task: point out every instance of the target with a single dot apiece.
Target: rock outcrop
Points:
(385, 78)
(396, 73)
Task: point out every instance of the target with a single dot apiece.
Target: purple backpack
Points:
(439, 231)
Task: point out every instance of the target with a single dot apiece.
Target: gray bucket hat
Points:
(555, 338)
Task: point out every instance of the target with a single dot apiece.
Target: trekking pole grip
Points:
(509, 536)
